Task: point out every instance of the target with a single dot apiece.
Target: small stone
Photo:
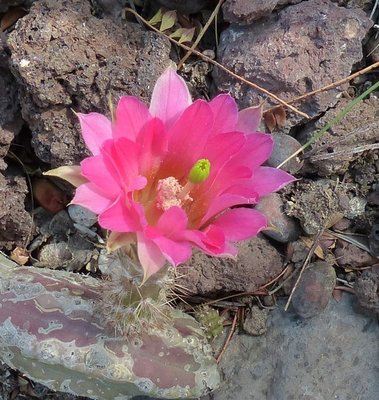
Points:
(314, 290)
(282, 228)
(342, 225)
(255, 321)
(245, 11)
(268, 301)
(349, 255)
(285, 146)
(367, 289)
(81, 215)
(373, 240)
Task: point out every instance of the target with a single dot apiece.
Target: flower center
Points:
(200, 171)
(169, 193)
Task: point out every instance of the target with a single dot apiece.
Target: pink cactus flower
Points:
(168, 176)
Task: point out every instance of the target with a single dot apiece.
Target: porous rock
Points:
(367, 289)
(15, 222)
(298, 50)
(341, 144)
(246, 11)
(256, 264)
(65, 59)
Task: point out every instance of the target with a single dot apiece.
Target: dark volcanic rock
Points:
(256, 264)
(367, 289)
(299, 49)
(246, 11)
(66, 59)
(15, 222)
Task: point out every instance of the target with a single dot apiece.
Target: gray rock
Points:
(337, 148)
(333, 356)
(64, 59)
(285, 146)
(256, 321)
(282, 228)
(291, 53)
(81, 215)
(256, 264)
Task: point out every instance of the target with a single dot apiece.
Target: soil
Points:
(75, 55)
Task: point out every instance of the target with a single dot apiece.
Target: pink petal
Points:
(170, 97)
(257, 150)
(225, 113)
(70, 173)
(93, 198)
(266, 180)
(149, 255)
(241, 223)
(249, 119)
(96, 129)
(96, 171)
(153, 144)
(173, 222)
(124, 215)
(176, 252)
(211, 240)
(131, 115)
(188, 136)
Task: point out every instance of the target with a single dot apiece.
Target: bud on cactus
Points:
(51, 331)
(210, 320)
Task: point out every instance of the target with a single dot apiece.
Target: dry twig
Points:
(229, 338)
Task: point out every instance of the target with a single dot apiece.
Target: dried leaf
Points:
(20, 255)
(168, 20)
(309, 243)
(11, 17)
(275, 118)
(183, 34)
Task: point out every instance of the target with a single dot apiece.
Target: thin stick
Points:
(330, 124)
(305, 263)
(229, 338)
(205, 58)
(331, 85)
(201, 34)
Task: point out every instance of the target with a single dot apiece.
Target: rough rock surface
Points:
(246, 11)
(257, 262)
(335, 356)
(367, 290)
(338, 147)
(315, 204)
(298, 50)
(15, 222)
(62, 66)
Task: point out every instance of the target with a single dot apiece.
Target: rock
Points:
(62, 65)
(246, 11)
(81, 215)
(316, 203)
(255, 321)
(291, 53)
(257, 262)
(332, 356)
(367, 289)
(15, 222)
(186, 6)
(281, 227)
(337, 148)
(314, 289)
(285, 146)
(350, 256)
(373, 240)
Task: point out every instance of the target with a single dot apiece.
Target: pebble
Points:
(285, 146)
(283, 228)
(256, 321)
(314, 289)
(81, 215)
(349, 255)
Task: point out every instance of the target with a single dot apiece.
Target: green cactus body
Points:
(51, 330)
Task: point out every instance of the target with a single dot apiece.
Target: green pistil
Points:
(200, 171)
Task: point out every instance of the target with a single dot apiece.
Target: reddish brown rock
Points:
(349, 255)
(314, 290)
(65, 59)
(299, 49)
(257, 263)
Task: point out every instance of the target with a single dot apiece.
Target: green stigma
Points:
(200, 171)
